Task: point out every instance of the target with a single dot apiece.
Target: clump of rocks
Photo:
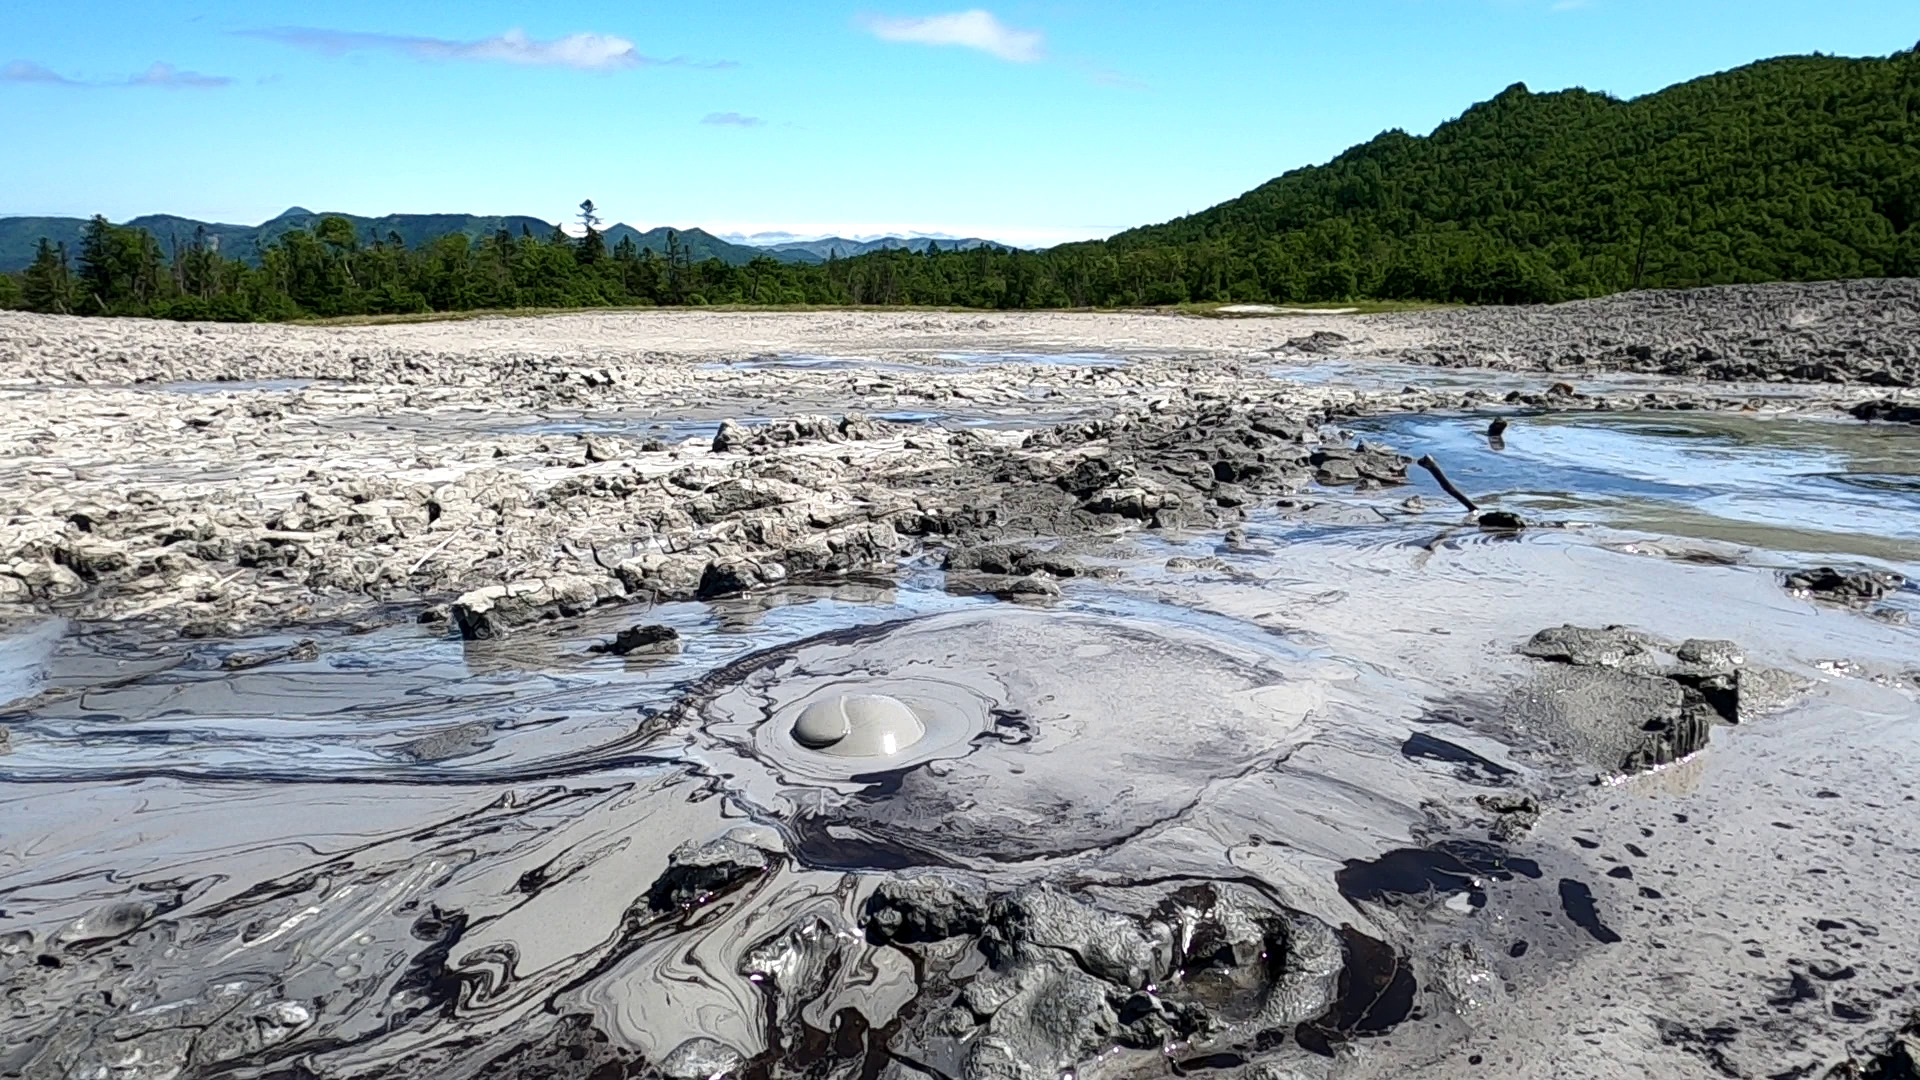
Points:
(1040, 980)
(1625, 702)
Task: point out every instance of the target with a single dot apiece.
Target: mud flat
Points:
(925, 694)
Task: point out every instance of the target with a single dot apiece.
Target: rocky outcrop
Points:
(1625, 702)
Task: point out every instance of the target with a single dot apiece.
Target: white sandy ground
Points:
(94, 349)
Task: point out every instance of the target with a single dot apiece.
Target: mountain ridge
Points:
(20, 235)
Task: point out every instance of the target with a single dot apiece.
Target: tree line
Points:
(1799, 168)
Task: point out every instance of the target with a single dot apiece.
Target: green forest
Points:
(1798, 168)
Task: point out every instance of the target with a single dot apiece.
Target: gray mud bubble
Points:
(859, 725)
(1625, 702)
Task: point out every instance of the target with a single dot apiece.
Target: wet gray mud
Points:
(1126, 710)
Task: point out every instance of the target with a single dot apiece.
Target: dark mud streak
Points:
(1376, 993)
(1576, 901)
(1450, 866)
(1421, 746)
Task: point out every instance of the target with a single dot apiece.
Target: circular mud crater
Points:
(993, 735)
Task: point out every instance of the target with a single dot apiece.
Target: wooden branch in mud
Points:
(1446, 485)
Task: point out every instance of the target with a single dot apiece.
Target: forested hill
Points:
(20, 236)
(1794, 168)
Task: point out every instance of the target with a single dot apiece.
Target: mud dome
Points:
(1047, 735)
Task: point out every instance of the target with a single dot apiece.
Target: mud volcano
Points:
(993, 736)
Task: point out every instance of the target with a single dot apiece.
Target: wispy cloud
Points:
(161, 74)
(976, 29)
(26, 71)
(1117, 80)
(584, 52)
(732, 119)
(166, 75)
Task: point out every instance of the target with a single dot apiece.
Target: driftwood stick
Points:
(1446, 485)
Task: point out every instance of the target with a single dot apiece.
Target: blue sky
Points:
(1030, 121)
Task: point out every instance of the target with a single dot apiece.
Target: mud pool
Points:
(1258, 802)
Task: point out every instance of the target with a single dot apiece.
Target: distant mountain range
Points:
(843, 248)
(19, 236)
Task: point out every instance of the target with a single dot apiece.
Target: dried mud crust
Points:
(1828, 332)
(512, 470)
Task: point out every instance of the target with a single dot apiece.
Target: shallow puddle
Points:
(1790, 485)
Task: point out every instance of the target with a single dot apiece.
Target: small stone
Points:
(641, 639)
(701, 1058)
(1711, 653)
(1844, 586)
(730, 436)
(697, 873)
(1181, 564)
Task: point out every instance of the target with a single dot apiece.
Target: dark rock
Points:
(1887, 410)
(1181, 564)
(1014, 560)
(1617, 721)
(1514, 814)
(922, 909)
(1716, 653)
(731, 436)
(1614, 646)
(1338, 465)
(1104, 944)
(1607, 698)
(733, 576)
(855, 427)
(1502, 521)
(1003, 586)
(641, 639)
(1851, 587)
(1897, 1058)
(1320, 341)
(300, 653)
(696, 874)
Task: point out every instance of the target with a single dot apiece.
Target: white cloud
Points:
(976, 29)
(584, 52)
(733, 119)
